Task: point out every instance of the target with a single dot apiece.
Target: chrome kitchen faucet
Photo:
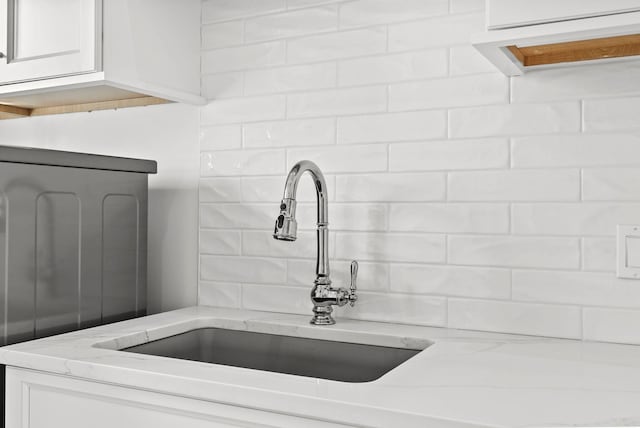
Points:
(323, 295)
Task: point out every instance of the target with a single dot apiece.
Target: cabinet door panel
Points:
(49, 38)
(41, 400)
(35, 34)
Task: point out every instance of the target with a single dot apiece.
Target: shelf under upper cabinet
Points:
(80, 93)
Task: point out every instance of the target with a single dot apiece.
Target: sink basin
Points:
(324, 359)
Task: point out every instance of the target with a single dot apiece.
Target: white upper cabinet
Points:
(518, 13)
(48, 38)
(61, 56)
(524, 35)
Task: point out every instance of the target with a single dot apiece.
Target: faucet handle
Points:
(352, 289)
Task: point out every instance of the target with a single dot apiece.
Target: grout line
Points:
(581, 185)
(511, 284)
(510, 89)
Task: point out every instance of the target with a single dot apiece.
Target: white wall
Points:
(472, 200)
(165, 133)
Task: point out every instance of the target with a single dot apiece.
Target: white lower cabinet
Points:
(41, 400)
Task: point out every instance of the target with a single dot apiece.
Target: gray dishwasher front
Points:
(73, 241)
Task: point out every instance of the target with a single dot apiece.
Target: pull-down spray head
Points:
(286, 228)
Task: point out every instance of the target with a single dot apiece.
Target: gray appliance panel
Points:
(75, 160)
(72, 248)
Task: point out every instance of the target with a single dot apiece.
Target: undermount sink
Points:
(324, 359)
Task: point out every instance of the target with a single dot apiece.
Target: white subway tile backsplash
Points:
(333, 102)
(391, 247)
(285, 79)
(463, 6)
(369, 12)
(389, 127)
(295, 4)
(236, 110)
(599, 254)
(466, 59)
(391, 187)
(243, 269)
(581, 219)
(304, 132)
(238, 216)
(222, 242)
(579, 288)
(220, 190)
(243, 57)
(242, 162)
(449, 218)
(618, 78)
(511, 251)
(261, 243)
(220, 137)
(514, 119)
(460, 281)
(272, 298)
(448, 155)
(290, 24)
(578, 150)
(612, 325)
(515, 185)
(404, 309)
(222, 294)
(344, 44)
(224, 85)
(221, 10)
(269, 189)
(222, 35)
(440, 31)
(361, 158)
(351, 217)
(371, 276)
(519, 318)
(470, 199)
(611, 114)
(611, 184)
(451, 92)
(393, 68)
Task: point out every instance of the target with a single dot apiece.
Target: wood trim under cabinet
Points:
(12, 112)
(581, 50)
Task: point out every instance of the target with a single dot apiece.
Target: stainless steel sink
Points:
(341, 361)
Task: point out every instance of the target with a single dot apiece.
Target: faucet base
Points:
(322, 316)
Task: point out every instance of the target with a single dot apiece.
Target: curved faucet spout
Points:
(286, 224)
(291, 187)
(323, 295)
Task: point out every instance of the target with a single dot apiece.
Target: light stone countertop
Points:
(464, 379)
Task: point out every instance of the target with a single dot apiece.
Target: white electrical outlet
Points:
(628, 251)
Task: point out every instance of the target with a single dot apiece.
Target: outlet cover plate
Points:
(628, 251)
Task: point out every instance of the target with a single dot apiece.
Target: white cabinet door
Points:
(518, 13)
(40, 400)
(49, 38)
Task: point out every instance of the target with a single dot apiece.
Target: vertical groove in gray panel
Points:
(91, 257)
(21, 192)
(4, 241)
(57, 254)
(141, 308)
(120, 255)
